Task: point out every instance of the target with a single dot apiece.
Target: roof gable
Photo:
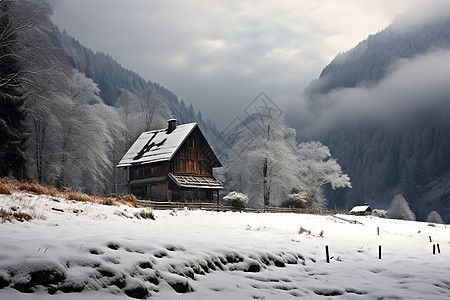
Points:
(156, 145)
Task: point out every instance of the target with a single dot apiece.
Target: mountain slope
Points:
(113, 80)
(386, 108)
(373, 59)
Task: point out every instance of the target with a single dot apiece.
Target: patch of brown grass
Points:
(16, 215)
(9, 185)
(37, 188)
(6, 186)
(107, 201)
(78, 196)
(129, 200)
(304, 230)
(5, 190)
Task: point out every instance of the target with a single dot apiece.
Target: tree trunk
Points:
(266, 188)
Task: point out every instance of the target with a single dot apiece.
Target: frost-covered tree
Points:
(142, 112)
(399, 209)
(84, 136)
(17, 55)
(317, 168)
(262, 161)
(434, 217)
(267, 165)
(12, 137)
(154, 111)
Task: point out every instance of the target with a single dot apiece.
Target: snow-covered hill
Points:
(108, 252)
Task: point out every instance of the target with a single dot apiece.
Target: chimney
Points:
(171, 125)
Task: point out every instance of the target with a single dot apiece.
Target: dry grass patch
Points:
(304, 230)
(6, 186)
(37, 188)
(129, 200)
(107, 201)
(78, 196)
(5, 190)
(9, 185)
(14, 215)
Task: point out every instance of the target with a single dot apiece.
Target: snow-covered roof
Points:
(361, 208)
(156, 145)
(189, 181)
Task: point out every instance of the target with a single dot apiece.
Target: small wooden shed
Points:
(172, 164)
(361, 210)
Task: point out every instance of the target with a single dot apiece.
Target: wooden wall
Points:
(190, 159)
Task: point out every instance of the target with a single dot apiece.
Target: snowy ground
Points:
(106, 252)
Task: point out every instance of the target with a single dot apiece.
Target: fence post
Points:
(378, 230)
(379, 252)
(439, 249)
(434, 249)
(430, 238)
(327, 254)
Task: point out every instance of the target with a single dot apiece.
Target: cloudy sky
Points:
(220, 54)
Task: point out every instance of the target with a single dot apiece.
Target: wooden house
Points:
(172, 164)
(361, 210)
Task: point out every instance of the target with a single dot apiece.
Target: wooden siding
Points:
(149, 170)
(190, 159)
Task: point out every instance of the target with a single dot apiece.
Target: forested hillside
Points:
(383, 108)
(68, 115)
(113, 80)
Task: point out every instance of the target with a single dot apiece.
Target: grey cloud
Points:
(415, 85)
(219, 54)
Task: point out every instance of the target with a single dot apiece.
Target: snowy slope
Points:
(106, 252)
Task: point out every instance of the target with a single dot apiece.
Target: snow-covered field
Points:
(106, 252)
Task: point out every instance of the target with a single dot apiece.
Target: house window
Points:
(146, 170)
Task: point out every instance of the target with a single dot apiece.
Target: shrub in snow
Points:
(297, 200)
(399, 209)
(434, 217)
(236, 199)
(145, 214)
(380, 213)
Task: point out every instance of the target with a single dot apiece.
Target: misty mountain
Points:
(374, 58)
(113, 79)
(383, 109)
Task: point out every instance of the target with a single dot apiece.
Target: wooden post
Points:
(327, 254)
(379, 252)
(434, 249)
(430, 239)
(378, 231)
(439, 249)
